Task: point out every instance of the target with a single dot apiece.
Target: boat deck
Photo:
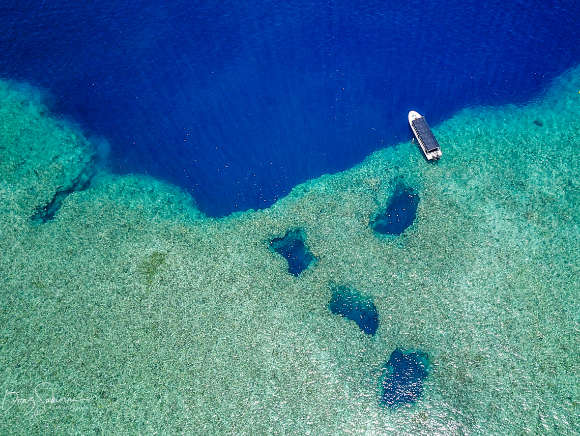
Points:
(424, 136)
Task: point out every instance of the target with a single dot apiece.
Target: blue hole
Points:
(403, 378)
(292, 246)
(400, 213)
(352, 305)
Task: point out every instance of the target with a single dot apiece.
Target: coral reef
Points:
(143, 316)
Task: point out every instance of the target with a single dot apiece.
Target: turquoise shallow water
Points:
(128, 311)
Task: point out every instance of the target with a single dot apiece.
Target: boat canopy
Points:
(425, 135)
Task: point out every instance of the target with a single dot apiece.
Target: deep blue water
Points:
(238, 101)
(399, 214)
(292, 246)
(403, 378)
(354, 306)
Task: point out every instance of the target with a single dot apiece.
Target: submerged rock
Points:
(293, 248)
(400, 212)
(403, 377)
(356, 307)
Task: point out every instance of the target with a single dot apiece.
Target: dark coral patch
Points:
(403, 378)
(400, 212)
(538, 123)
(47, 212)
(350, 304)
(293, 248)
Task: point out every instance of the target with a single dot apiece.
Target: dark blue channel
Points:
(238, 101)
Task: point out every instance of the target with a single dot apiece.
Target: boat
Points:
(424, 136)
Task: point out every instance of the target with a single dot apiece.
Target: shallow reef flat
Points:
(126, 310)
